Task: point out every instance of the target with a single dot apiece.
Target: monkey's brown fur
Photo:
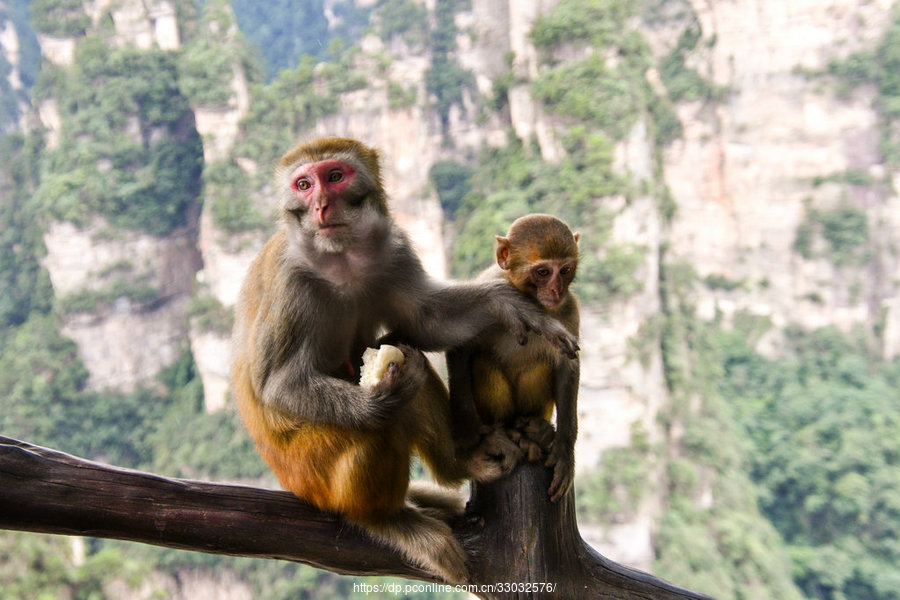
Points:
(338, 274)
(518, 386)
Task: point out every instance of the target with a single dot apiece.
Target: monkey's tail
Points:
(423, 539)
(437, 501)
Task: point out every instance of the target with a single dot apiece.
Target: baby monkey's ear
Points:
(502, 250)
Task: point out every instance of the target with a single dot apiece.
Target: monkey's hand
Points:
(554, 332)
(562, 461)
(400, 384)
(520, 315)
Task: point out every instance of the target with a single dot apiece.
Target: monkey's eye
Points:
(335, 176)
(302, 184)
(542, 271)
(565, 270)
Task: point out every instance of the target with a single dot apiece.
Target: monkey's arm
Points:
(562, 453)
(297, 392)
(449, 315)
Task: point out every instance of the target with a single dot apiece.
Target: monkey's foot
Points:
(534, 435)
(495, 457)
(563, 466)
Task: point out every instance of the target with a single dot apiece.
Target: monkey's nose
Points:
(321, 210)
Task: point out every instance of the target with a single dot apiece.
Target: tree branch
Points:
(47, 491)
(513, 534)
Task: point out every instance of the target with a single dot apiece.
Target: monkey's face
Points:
(334, 201)
(550, 280)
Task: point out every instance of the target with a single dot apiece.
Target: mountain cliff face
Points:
(781, 151)
(118, 285)
(767, 176)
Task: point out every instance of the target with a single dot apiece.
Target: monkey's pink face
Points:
(325, 191)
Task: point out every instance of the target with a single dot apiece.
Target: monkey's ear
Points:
(503, 252)
(577, 236)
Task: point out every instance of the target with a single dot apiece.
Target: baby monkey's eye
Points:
(543, 271)
(335, 176)
(302, 184)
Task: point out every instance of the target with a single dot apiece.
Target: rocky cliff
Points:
(752, 168)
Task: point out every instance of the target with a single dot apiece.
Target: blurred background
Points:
(732, 167)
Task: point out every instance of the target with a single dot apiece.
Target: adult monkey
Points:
(496, 381)
(322, 289)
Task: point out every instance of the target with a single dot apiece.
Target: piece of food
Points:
(376, 362)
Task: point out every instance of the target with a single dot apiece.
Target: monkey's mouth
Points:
(550, 303)
(331, 228)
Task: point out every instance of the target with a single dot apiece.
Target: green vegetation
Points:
(608, 88)
(38, 566)
(17, 11)
(128, 151)
(283, 110)
(451, 180)
(595, 90)
(445, 80)
(44, 400)
(845, 230)
(208, 314)
(206, 62)
(880, 67)
(682, 82)
(818, 432)
(286, 32)
(613, 492)
(717, 281)
(850, 177)
(59, 18)
(400, 97)
(502, 84)
(824, 423)
(283, 30)
(590, 91)
(597, 23)
(94, 300)
(12, 100)
(721, 545)
(403, 18)
(228, 190)
(26, 286)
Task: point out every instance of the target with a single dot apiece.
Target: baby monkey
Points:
(498, 382)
